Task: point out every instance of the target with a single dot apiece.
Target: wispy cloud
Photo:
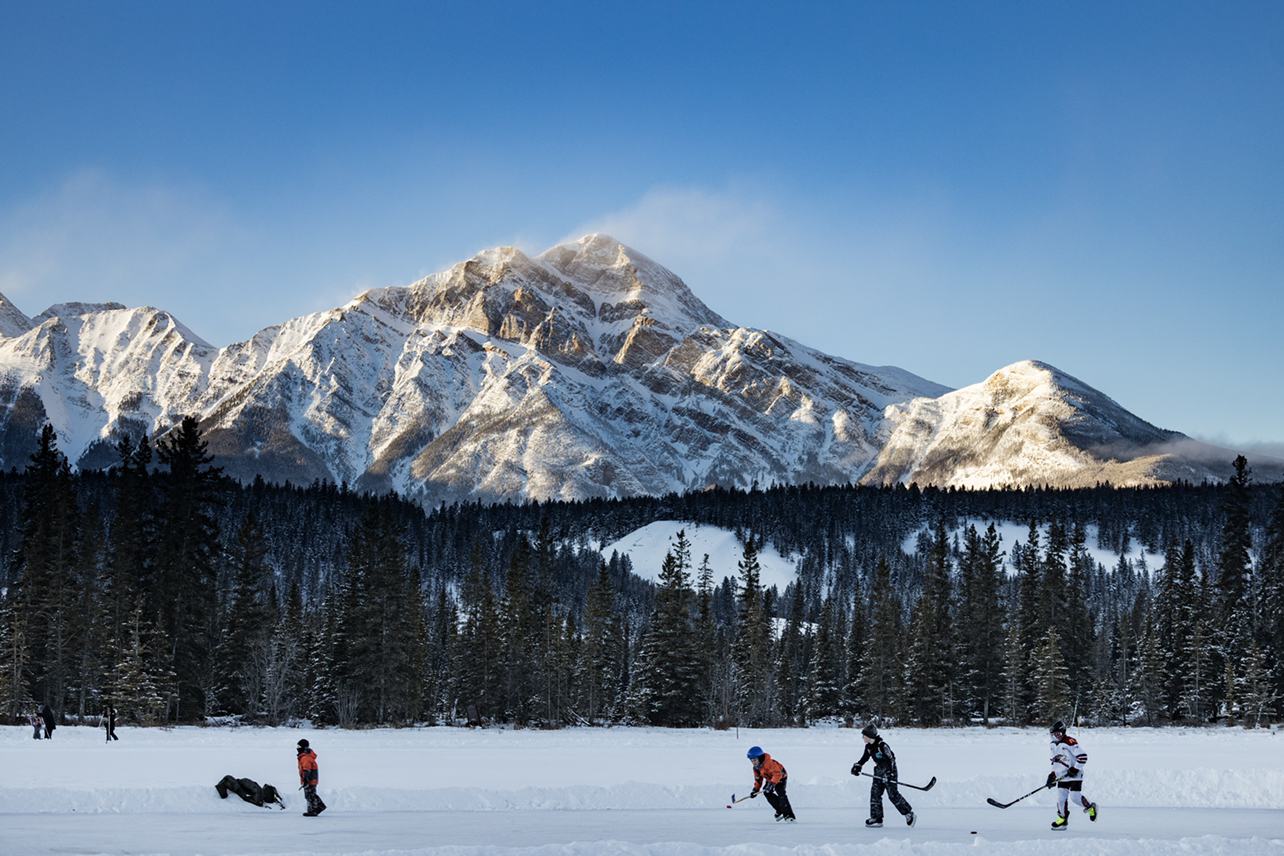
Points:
(96, 238)
(690, 228)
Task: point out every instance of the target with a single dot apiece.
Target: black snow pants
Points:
(779, 799)
(315, 805)
(886, 780)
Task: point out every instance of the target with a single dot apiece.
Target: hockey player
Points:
(1068, 761)
(884, 779)
(770, 778)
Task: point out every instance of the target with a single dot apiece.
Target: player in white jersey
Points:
(1068, 760)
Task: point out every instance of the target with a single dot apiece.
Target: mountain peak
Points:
(12, 320)
(612, 272)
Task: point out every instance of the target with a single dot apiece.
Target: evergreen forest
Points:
(176, 595)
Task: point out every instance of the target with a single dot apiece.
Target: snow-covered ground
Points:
(630, 791)
(647, 547)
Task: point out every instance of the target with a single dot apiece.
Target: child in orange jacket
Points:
(308, 778)
(769, 777)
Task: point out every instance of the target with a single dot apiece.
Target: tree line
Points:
(174, 594)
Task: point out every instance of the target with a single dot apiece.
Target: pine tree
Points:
(480, 665)
(14, 657)
(130, 560)
(386, 621)
(50, 577)
(1234, 566)
(669, 689)
(600, 655)
(1050, 679)
(928, 670)
(824, 697)
(185, 583)
(1255, 690)
(244, 654)
(982, 614)
(1015, 675)
(751, 650)
(790, 652)
(1271, 637)
(883, 660)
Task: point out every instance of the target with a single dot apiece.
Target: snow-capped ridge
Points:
(589, 370)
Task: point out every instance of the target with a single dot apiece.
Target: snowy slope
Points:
(1032, 424)
(629, 791)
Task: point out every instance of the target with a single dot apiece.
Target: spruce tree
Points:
(244, 653)
(1234, 565)
(981, 619)
(50, 571)
(752, 647)
(929, 685)
(1271, 637)
(600, 656)
(1050, 679)
(669, 689)
(883, 661)
(184, 589)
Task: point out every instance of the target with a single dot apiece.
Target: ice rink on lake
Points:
(629, 791)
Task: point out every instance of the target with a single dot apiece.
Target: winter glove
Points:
(1072, 772)
(855, 769)
(753, 794)
(768, 788)
(1052, 779)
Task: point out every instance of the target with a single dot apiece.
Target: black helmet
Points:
(303, 744)
(870, 731)
(1058, 727)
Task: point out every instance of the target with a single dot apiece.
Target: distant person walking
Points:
(308, 778)
(36, 725)
(770, 778)
(880, 753)
(47, 714)
(109, 723)
(1068, 760)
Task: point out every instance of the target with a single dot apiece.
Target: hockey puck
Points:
(974, 832)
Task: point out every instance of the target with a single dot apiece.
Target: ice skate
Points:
(1060, 822)
(911, 819)
(1091, 811)
(873, 823)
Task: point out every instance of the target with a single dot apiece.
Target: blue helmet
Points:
(756, 752)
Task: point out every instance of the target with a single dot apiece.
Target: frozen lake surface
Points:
(629, 791)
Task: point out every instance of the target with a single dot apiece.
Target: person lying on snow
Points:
(250, 791)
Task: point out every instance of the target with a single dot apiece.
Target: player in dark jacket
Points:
(884, 779)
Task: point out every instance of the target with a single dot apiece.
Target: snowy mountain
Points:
(1031, 424)
(587, 371)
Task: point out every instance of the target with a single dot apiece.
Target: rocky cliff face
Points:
(587, 371)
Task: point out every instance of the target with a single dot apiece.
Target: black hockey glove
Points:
(768, 788)
(753, 794)
(855, 769)
(1052, 779)
(1072, 772)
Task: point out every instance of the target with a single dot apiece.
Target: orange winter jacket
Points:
(308, 767)
(772, 771)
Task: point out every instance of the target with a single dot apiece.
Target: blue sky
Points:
(948, 187)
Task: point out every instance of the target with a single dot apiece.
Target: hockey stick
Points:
(992, 801)
(734, 800)
(926, 787)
